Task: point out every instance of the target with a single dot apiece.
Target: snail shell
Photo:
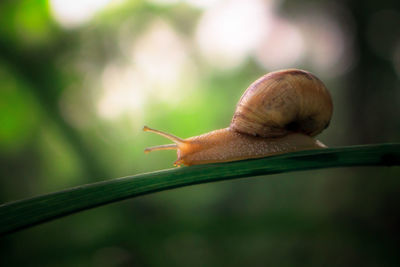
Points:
(281, 102)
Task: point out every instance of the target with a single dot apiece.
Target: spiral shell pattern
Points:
(281, 102)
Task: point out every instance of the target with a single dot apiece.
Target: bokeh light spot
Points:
(228, 32)
(75, 13)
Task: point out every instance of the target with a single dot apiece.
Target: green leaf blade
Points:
(28, 212)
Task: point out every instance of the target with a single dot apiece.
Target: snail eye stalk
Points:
(175, 139)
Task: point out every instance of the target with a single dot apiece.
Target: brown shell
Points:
(281, 102)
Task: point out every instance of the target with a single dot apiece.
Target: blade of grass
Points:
(28, 212)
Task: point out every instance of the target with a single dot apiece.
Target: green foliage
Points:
(28, 212)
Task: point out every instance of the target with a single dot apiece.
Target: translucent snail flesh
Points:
(280, 112)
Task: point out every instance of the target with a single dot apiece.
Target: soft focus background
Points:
(79, 79)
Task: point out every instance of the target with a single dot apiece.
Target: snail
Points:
(278, 113)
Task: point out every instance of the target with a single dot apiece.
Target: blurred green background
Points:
(79, 79)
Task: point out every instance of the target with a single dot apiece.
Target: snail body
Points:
(280, 112)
